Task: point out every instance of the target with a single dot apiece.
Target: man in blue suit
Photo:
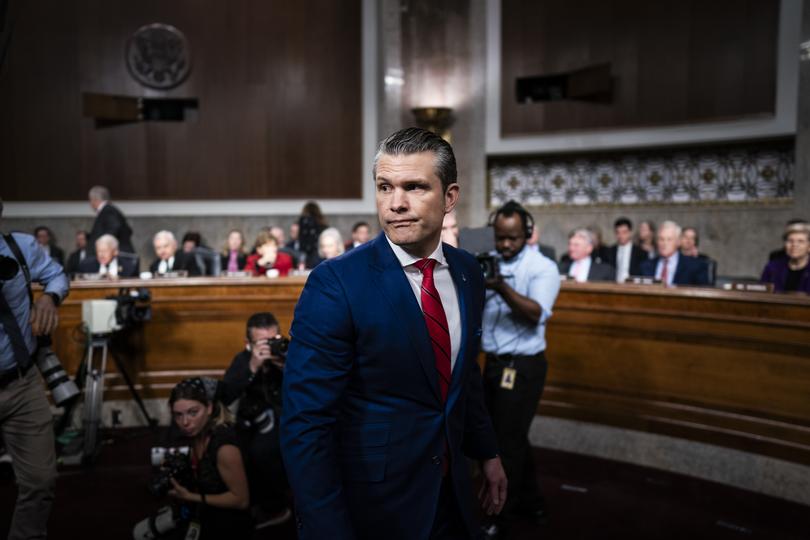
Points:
(382, 392)
(670, 266)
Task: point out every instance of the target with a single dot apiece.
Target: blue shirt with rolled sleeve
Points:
(535, 276)
(45, 271)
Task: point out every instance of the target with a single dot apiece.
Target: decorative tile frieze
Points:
(724, 174)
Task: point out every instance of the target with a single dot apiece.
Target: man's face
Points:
(579, 248)
(259, 348)
(668, 241)
(294, 231)
(410, 201)
(797, 245)
(509, 237)
(278, 234)
(43, 238)
(81, 240)
(688, 240)
(623, 235)
(105, 253)
(165, 248)
(361, 234)
(95, 203)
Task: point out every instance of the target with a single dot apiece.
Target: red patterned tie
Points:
(436, 322)
(665, 272)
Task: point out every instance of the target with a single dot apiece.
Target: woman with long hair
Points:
(233, 254)
(219, 492)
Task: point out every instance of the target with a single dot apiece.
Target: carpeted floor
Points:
(586, 498)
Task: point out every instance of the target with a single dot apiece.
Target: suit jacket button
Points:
(436, 460)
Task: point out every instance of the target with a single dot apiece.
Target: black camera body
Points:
(489, 265)
(133, 306)
(262, 397)
(176, 464)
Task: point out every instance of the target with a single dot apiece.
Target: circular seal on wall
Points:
(158, 56)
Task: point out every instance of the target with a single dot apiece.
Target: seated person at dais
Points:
(79, 255)
(268, 257)
(169, 259)
(580, 266)
(109, 262)
(670, 266)
(234, 256)
(45, 239)
(330, 244)
(791, 273)
(218, 495)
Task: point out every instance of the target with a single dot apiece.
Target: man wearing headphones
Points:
(518, 304)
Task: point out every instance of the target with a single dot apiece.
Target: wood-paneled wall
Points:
(673, 61)
(279, 89)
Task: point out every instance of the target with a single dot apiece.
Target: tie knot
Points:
(426, 266)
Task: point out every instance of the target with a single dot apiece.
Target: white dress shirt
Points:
(444, 284)
(623, 262)
(672, 266)
(580, 269)
(166, 265)
(109, 270)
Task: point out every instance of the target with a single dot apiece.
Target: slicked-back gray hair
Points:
(670, 225)
(99, 193)
(415, 140)
(108, 240)
(164, 235)
(585, 234)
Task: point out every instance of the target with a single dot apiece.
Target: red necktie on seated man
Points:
(436, 322)
(664, 272)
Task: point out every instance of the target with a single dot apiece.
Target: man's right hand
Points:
(259, 353)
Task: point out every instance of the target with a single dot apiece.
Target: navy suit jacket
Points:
(363, 429)
(690, 270)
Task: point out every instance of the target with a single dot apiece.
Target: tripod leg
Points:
(134, 391)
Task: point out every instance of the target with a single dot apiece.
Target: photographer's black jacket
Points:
(237, 378)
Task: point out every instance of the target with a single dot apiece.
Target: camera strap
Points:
(15, 249)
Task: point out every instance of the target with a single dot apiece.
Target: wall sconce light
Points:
(435, 119)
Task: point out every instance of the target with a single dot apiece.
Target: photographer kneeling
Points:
(219, 487)
(254, 379)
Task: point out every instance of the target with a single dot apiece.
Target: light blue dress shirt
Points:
(533, 275)
(672, 267)
(43, 270)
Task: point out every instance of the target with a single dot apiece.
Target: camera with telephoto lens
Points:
(133, 306)
(158, 526)
(262, 397)
(62, 388)
(489, 265)
(175, 464)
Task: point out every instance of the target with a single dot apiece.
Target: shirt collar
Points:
(406, 259)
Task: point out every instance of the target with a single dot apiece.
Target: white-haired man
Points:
(109, 220)
(107, 262)
(169, 259)
(671, 267)
(579, 265)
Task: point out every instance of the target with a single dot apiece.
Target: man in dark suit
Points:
(171, 260)
(670, 266)
(361, 233)
(625, 256)
(382, 392)
(108, 261)
(109, 220)
(579, 265)
(75, 258)
(45, 239)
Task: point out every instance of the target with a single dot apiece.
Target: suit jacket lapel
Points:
(393, 283)
(462, 284)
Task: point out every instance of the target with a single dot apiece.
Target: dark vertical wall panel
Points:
(279, 87)
(673, 61)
